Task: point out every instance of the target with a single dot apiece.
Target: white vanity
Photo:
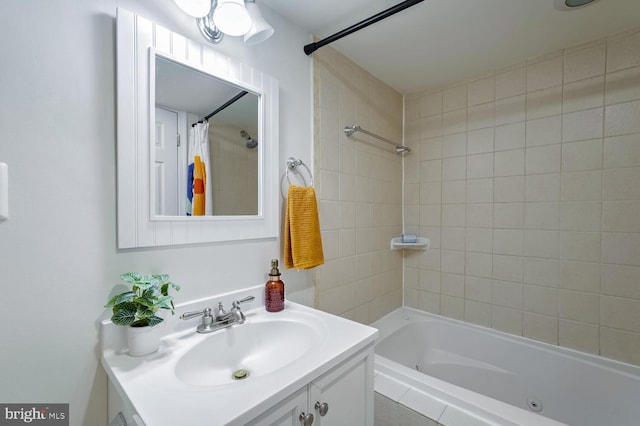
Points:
(305, 367)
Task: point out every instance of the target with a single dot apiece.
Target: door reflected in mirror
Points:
(207, 144)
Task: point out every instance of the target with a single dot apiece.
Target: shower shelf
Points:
(421, 244)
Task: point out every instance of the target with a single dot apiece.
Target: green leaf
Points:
(145, 312)
(164, 302)
(153, 321)
(126, 306)
(130, 277)
(123, 317)
(120, 298)
(163, 278)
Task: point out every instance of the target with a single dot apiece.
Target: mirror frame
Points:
(137, 41)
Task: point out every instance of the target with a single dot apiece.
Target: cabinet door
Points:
(347, 392)
(285, 413)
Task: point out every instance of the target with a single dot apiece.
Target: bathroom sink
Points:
(246, 352)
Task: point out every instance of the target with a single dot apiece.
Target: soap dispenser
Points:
(274, 289)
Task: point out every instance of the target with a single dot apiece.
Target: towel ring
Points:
(293, 164)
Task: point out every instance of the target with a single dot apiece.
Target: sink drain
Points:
(240, 374)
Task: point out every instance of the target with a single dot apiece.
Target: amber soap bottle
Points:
(274, 289)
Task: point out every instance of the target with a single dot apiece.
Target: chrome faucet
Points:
(221, 318)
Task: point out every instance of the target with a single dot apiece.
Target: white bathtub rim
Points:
(396, 320)
(482, 407)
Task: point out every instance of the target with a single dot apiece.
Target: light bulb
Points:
(231, 17)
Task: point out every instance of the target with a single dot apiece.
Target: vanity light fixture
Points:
(215, 18)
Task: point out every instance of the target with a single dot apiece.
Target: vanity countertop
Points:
(151, 383)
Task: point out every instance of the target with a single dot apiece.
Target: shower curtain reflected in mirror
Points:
(199, 199)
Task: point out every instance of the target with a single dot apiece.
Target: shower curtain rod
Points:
(312, 47)
(226, 104)
(349, 130)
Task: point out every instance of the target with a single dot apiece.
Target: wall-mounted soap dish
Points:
(421, 243)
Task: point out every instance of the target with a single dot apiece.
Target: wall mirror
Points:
(165, 84)
(184, 99)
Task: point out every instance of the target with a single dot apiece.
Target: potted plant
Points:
(137, 310)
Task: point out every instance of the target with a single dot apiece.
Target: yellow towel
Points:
(302, 240)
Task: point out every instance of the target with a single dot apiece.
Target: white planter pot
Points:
(143, 340)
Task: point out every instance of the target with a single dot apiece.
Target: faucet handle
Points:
(189, 315)
(236, 303)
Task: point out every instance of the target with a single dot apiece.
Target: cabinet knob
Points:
(306, 419)
(323, 408)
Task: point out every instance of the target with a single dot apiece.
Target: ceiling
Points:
(438, 42)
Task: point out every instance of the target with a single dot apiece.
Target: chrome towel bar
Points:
(350, 130)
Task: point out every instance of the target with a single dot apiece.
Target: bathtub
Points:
(462, 374)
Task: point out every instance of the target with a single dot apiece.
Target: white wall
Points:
(58, 257)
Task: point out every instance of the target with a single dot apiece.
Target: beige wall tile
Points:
(547, 73)
(622, 119)
(511, 83)
(430, 104)
(508, 241)
(584, 155)
(541, 300)
(582, 125)
(622, 184)
(454, 168)
(544, 131)
(621, 216)
(545, 272)
(452, 307)
(480, 166)
(540, 243)
(543, 159)
(507, 294)
(623, 86)
(454, 122)
(544, 103)
(579, 335)
(542, 215)
(511, 136)
(584, 63)
(481, 116)
(584, 246)
(621, 248)
(580, 276)
(477, 313)
(621, 313)
(480, 141)
(481, 91)
(479, 190)
(621, 345)
(452, 285)
(508, 215)
(621, 281)
(540, 327)
(622, 151)
(507, 268)
(454, 145)
(509, 163)
(480, 215)
(508, 189)
(507, 320)
(479, 240)
(623, 52)
(454, 98)
(511, 110)
(583, 94)
(579, 306)
(479, 264)
(580, 215)
(478, 288)
(581, 186)
(453, 191)
(545, 187)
